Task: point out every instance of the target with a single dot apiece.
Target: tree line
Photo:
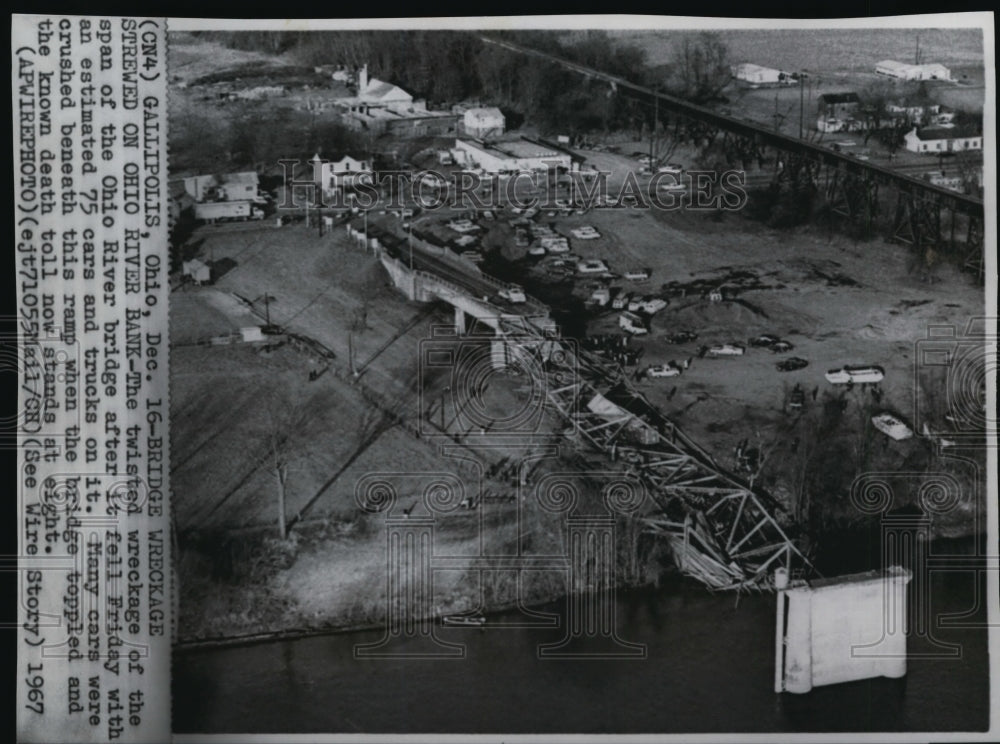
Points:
(448, 66)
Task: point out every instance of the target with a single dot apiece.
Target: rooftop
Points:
(751, 67)
(940, 133)
(849, 97)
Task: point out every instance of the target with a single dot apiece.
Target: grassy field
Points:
(828, 50)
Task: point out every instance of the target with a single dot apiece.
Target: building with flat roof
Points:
(223, 186)
(756, 76)
(903, 71)
(513, 156)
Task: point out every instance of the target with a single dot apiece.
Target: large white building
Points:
(904, 71)
(375, 91)
(936, 140)
(512, 156)
(222, 187)
(756, 75)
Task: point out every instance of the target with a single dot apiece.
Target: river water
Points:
(709, 667)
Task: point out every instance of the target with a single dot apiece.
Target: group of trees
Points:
(448, 66)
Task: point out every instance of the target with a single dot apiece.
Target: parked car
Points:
(632, 323)
(463, 226)
(536, 250)
(662, 370)
(782, 347)
(637, 275)
(513, 293)
(592, 266)
(892, 426)
(652, 305)
(764, 340)
(681, 337)
(585, 232)
(726, 350)
(791, 364)
(851, 374)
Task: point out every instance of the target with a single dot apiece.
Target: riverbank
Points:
(709, 667)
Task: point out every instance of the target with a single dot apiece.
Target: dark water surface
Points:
(709, 667)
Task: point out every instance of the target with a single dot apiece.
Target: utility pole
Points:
(656, 124)
(802, 103)
(267, 306)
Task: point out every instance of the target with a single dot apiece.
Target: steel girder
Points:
(723, 533)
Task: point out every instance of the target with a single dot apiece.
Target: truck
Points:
(227, 210)
(632, 323)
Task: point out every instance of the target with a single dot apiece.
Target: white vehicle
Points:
(631, 323)
(513, 293)
(227, 210)
(892, 426)
(592, 266)
(652, 305)
(536, 250)
(670, 186)
(585, 233)
(637, 275)
(726, 350)
(662, 370)
(558, 246)
(600, 297)
(620, 302)
(855, 374)
(463, 226)
(674, 168)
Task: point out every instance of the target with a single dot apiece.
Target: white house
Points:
(756, 75)
(483, 122)
(904, 71)
(341, 175)
(935, 140)
(917, 114)
(198, 271)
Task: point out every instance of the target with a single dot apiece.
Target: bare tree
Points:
(701, 67)
(280, 449)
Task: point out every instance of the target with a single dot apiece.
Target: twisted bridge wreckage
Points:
(924, 216)
(722, 531)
